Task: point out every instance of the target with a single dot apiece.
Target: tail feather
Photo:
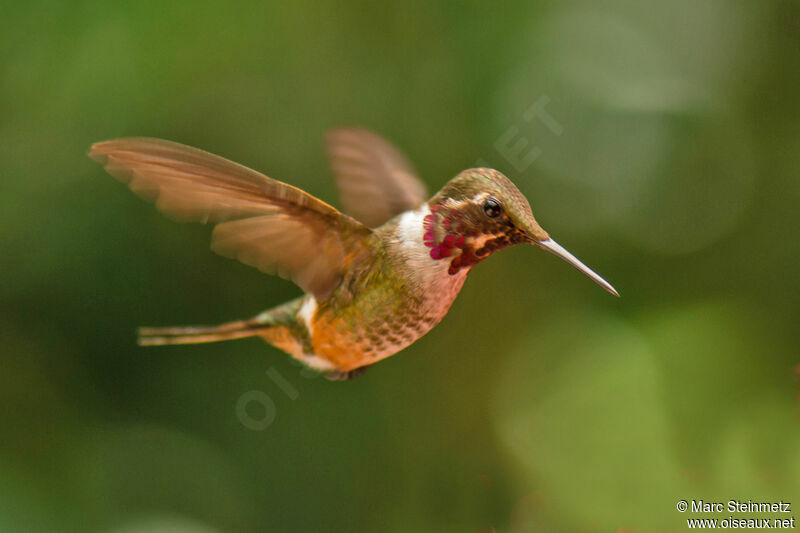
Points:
(282, 316)
(198, 334)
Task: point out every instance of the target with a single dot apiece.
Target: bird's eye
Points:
(492, 208)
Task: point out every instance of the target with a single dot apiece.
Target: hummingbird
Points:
(377, 276)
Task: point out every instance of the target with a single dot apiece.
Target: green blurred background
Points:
(540, 404)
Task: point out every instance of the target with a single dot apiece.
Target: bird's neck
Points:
(409, 243)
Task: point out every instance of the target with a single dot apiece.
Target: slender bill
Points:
(556, 249)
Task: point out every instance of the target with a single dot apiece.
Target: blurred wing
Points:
(375, 180)
(260, 221)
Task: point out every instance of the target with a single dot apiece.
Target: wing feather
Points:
(375, 180)
(260, 221)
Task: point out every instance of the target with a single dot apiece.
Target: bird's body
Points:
(369, 292)
(383, 305)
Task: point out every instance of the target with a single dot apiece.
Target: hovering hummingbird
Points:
(375, 279)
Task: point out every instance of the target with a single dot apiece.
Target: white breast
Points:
(439, 287)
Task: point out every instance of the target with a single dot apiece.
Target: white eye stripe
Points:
(480, 197)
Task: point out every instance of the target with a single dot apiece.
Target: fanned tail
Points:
(239, 329)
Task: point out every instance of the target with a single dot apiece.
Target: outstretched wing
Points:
(375, 180)
(260, 221)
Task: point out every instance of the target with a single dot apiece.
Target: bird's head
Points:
(480, 212)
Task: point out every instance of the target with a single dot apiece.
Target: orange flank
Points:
(282, 338)
(330, 334)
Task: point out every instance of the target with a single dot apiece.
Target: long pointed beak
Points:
(556, 249)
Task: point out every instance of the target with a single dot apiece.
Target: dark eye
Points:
(492, 208)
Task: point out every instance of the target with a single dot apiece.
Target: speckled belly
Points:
(379, 322)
